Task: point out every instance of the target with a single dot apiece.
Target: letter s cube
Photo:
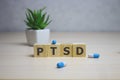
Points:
(66, 50)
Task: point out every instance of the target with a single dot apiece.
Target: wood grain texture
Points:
(17, 61)
(79, 50)
(40, 50)
(66, 50)
(53, 50)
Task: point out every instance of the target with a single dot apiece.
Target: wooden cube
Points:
(66, 50)
(53, 50)
(79, 50)
(40, 50)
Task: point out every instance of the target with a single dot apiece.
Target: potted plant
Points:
(37, 21)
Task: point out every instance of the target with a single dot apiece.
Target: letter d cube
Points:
(79, 50)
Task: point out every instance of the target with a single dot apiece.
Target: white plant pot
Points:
(37, 36)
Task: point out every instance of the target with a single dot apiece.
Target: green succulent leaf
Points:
(37, 19)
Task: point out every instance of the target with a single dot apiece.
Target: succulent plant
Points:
(37, 19)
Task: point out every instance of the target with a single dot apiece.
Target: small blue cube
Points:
(54, 41)
(60, 64)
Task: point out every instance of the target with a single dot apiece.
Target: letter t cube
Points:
(53, 50)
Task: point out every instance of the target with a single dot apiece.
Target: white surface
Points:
(38, 36)
(17, 61)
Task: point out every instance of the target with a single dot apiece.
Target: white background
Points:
(67, 15)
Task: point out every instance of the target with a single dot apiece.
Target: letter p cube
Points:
(40, 50)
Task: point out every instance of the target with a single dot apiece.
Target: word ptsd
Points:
(60, 50)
